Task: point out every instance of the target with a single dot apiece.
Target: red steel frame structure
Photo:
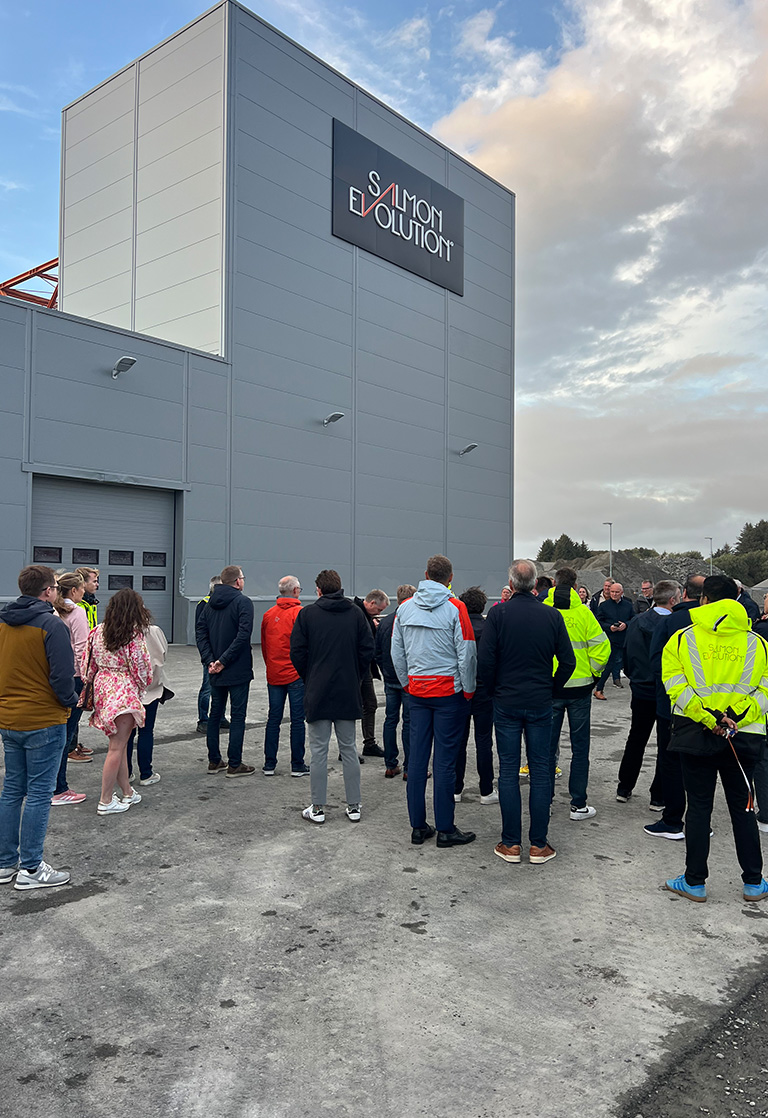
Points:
(13, 286)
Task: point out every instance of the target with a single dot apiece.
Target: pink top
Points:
(77, 623)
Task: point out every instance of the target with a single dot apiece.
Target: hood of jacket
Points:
(721, 618)
(431, 594)
(222, 596)
(648, 621)
(573, 601)
(335, 603)
(288, 603)
(24, 610)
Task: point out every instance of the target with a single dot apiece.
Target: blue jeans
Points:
(278, 693)
(204, 697)
(440, 721)
(579, 710)
(395, 698)
(75, 714)
(145, 742)
(238, 705)
(32, 758)
(509, 724)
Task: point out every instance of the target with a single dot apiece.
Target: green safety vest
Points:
(90, 613)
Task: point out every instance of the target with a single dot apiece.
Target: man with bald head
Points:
(614, 615)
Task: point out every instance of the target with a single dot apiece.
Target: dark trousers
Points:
(395, 698)
(145, 742)
(700, 779)
(479, 714)
(369, 710)
(672, 788)
(278, 693)
(614, 665)
(440, 721)
(75, 714)
(579, 710)
(643, 721)
(238, 705)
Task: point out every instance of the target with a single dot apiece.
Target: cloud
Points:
(9, 185)
(639, 156)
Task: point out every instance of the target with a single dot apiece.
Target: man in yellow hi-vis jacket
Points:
(716, 675)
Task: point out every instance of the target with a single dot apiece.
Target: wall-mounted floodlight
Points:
(122, 366)
(468, 448)
(334, 417)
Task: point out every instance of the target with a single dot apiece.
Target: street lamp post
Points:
(710, 552)
(609, 523)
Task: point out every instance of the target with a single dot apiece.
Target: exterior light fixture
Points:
(334, 417)
(469, 447)
(122, 366)
(609, 525)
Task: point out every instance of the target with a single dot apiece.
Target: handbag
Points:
(86, 696)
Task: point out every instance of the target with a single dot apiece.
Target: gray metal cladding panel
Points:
(481, 192)
(257, 92)
(386, 281)
(376, 521)
(400, 349)
(102, 173)
(11, 435)
(487, 456)
(285, 306)
(397, 435)
(404, 557)
(158, 140)
(263, 334)
(400, 319)
(207, 427)
(402, 381)
(198, 293)
(466, 529)
(479, 564)
(305, 213)
(190, 155)
(390, 132)
(277, 167)
(156, 275)
(478, 505)
(326, 448)
(496, 304)
(113, 98)
(481, 325)
(286, 546)
(389, 465)
(183, 55)
(475, 403)
(11, 388)
(13, 323)
(487, 251)
(114, 199)
(475, 375)
(265, 509)
(490, 433)
(159, 108)
(268, 134)
(121, 452)
(481, 351)
(290, 478)
(482, 478)
(479, 222)
(379, 400)
(93, 240)
(299, 276)
(426, 500)
(205, 537)
(103, 278)
(256, 227)
(208, 463)
(480, 275)
(288, 389)
(180, 198)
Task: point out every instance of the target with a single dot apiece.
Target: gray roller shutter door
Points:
(132, 529)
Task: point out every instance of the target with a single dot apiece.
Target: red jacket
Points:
(276, 626)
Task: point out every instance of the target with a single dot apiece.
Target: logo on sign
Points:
(403, 214)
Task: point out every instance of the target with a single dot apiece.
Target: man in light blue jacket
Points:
(434, 655)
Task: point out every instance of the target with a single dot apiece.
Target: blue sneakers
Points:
(694, 892)
(756, 892)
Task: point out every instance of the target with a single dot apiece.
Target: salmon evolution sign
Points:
(394, 211)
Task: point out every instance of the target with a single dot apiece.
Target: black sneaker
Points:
(303, 771)
(663, 830)
(623, 797)
(373, 751)
(202, 727)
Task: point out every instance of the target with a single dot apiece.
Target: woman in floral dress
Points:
(117, 660)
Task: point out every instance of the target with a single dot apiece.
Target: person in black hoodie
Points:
(394, 696)
(479, 713)
(373, 604)
(637, 664)
(223, 633)
(331, 649)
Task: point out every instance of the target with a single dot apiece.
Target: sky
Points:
(635, 136)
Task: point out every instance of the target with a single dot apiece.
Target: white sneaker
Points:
(314, 814)
(45, 876)
(134, 798)
(763, 827)
(113, 807)
(582, 812)
(353, 812)
(491, 798)
(153, 779)
(457, 797)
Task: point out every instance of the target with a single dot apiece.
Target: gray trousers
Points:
(319, 735)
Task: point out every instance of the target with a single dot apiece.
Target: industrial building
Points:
(284, 337)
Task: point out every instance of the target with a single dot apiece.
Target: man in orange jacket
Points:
(283, 680)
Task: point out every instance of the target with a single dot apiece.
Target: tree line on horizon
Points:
(747, 560)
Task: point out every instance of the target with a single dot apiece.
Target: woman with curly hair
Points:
(117, 661)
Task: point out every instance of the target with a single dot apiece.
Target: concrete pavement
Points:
(216, 955)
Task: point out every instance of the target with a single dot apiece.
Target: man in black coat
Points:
(614, 616)
(479, 714)
(373, 604)
(223, 633)
(395, 697)
(331, 649)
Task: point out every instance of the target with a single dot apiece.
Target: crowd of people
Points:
(696, 661)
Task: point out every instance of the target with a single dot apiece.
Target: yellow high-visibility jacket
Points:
(718, 664)
(590, 644)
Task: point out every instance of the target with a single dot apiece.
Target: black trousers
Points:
(672, 787)
(369, 710)
(700, 779)
(643, 721)
(479, 712)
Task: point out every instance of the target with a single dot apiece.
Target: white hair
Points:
(288, 584)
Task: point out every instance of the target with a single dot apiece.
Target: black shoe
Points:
(202, 728)
(421, 834)
(224, 724)
(455, 837)
(373, 751)
(360, 758)
(623, 797)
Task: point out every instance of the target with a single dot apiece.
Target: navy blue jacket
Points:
(383, 651)
(223, 632)
(514, 658)
(678, 619)
(610, 613)
(750, 605)
(637, 652)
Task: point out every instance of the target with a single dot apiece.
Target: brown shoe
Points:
(600, 695)
(216, 766)
(241, 770)
(393, 772)
(508, 853)
(540, 854)
(77, 756)
(83, 749)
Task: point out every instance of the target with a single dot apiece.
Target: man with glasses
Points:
(37, 690)
(645, 597)
(283, 681)
(223, 632)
